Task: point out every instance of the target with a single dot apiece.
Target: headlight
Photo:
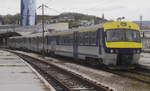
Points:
(138, 51)
(111, 51)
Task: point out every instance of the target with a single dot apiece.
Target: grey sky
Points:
(112, 9)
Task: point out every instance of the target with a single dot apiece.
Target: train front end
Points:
(122, 43)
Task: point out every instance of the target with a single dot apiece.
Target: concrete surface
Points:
(17, 75)
(145, 60)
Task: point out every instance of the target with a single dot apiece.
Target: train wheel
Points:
(52, 54)
(93, 61)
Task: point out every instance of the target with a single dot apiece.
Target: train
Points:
(116, 43)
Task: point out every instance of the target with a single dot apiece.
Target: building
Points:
(27, 30)
(87, 22)
(28, 12)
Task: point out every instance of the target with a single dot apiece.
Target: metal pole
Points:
(141, 19)
(14, 27)
(43, 28)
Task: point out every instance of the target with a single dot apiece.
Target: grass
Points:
(137, 84)
(8, 58)
(140, 77)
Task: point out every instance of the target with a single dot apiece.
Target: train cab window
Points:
(127, 35)
(114, 35)
(133, 36)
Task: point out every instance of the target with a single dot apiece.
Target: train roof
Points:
(107, 25)
(63, 32)
(121, 24)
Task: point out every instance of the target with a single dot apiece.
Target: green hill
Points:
(74, 19)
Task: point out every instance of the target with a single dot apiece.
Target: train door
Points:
(75, 45)
(100, 39)
(46, 44)
(37, 44)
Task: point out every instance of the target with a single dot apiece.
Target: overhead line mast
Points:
(43, 28)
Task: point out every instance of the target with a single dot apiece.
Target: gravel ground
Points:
(113, 81)
(107, 79)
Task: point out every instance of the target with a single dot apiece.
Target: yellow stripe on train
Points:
(121, 24)
(123, 45)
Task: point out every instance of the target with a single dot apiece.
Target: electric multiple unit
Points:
(112, 43)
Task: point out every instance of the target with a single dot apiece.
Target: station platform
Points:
(144, 61)
(17, 75)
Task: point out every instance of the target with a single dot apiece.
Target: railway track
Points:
(142, 71)
(63, 80)
(142, 75)
(135, 74)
